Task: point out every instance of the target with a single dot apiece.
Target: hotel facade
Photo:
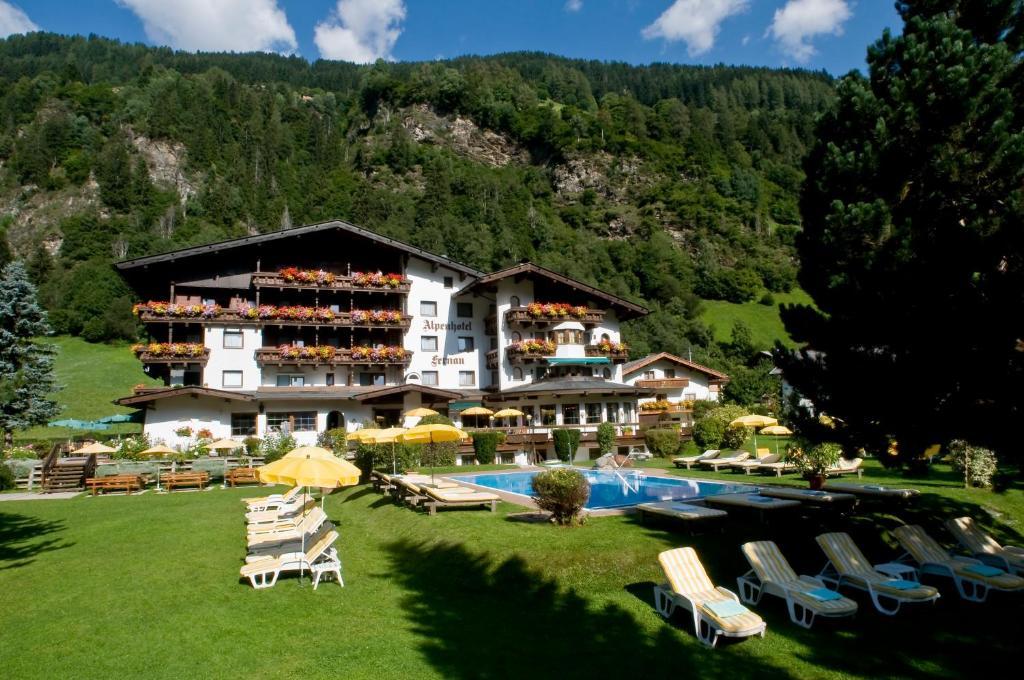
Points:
(332, 326)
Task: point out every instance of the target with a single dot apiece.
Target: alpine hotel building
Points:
(330, 325)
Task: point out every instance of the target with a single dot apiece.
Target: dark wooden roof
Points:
(569, 385)
(628, 309)
(146, 396)
(438, 395)
(633, 366)
(289, 233)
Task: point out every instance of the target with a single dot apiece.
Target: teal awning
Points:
(572, 361)
(463, 405)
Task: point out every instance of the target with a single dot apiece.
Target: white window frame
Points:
(428, 302)
(224, 379)
(471, 376)
(423, 343)
(430, 378)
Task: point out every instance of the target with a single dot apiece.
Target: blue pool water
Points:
(615, 489)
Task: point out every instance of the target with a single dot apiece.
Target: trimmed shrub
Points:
(252, 446)
(712, 431)
(605, 438)
(567, 442)
(662, 442)
(439, 455)
(6, 477)
(485, 446)
(562, 492)
(977, 465)
(381, 457)
(435, 420)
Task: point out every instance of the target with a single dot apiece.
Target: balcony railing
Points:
(340, 283)
(341, 356)
(169, 355)
(522, 316)
(239, 317)
(492, 359)
(616, 355)
(664, 384)
(530, 357)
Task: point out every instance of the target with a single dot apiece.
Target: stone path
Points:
(33, 496)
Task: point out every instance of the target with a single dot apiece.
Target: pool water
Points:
(615, 489)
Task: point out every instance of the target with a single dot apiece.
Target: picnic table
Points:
(242, 475)
(126, 483)
(180, 479)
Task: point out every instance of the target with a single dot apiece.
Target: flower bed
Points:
(170, 349)
(315, 277)
(556, 310)
(378, 280)
(545, 347)
(376, 316)
(379, 354)
(174, 310)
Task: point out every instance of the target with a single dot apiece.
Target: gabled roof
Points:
(630, 309)
(569, 385)
(146, 396)
(634, 366)
(297, 231)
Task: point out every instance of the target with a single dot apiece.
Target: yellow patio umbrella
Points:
(432, 434)
(476, 412)
(361, 434)
(225, 445)
(312, 452)
(754, 421)
(391, 436)
(95, 447)
(158, 450)
(777, 431)
(509, 413)
(420, 413)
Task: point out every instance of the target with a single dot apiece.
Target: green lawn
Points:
(147, 585)
(90, 376)
(765, 325)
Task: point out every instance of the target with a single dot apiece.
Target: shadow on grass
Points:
(365, 491)
(21, 539)
(479, 618)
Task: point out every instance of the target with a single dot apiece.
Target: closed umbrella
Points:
(433, 434)
(777, 431)
(754, 421)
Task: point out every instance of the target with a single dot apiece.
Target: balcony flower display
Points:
(314, 352)
(660, 405)
(533, 347)
(171, 349)
(609, 347)
(381, 354)
(316, 277)
(261, 312)
(376, 316)
(294, 313)
(556, 310)
(176, 310)
(183, 431)
(378, 280)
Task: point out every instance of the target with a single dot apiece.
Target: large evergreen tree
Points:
(913, 246)
(26, 366)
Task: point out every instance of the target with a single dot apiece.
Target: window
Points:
(232, 338)
(291, 381)
(540, 372)
(514, 301)
(607, 374)
(330, 379)
(517, 373)
(494, 377)
(467, 378)
(570, 414)
(569, 337)
(516, 337)
(231, 379)
(612, 410)
(429, 377)
(464, 310)
(428, 343)
(593, 413)
(243, 424)
(449, 282)
(627, 412)
(466, 343)
(428, 308)
(648, 375)
(547, 414)
(670, 373)
(371, 379)
(300, 421)
(493, 342)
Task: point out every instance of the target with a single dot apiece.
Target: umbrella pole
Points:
(394, 463)
(302, 561)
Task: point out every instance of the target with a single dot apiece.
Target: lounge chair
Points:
(973, 578)
(846, 467)
(319, 559)
(262, 550)
(873, 491)
(686, 512)
(690, 461)
(751, 501)
(456, 498)
(750, 465)
(721, 461)
(273, 500)
(412, 491)
(308, 525)
(285, 513)
(777, 468)
(985, 548)
(809, 496)
(806, 596)
(847, 565)
(716, 611)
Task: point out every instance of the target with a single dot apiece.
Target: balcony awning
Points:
(577, 361)
(463, 405)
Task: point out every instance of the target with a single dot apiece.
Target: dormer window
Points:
(514, 301)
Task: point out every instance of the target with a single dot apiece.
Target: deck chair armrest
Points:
(965, 560)
(812, 580)
(256, 559)
(726, 591)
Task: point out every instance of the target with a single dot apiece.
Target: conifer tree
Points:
(26, 366)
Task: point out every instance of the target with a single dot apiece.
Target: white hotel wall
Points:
(699, 387)
(167, 415)
(222, 359)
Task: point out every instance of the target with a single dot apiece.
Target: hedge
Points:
(661, 442)
(485, 446)
(567, 442)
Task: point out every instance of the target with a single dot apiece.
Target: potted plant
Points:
(815, 461)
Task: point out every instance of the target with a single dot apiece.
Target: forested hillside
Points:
(665, 184)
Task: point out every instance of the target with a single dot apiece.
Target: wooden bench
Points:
(126, 483)
(243, 475)
(179, 479)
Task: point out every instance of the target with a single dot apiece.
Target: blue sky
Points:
(817, 34)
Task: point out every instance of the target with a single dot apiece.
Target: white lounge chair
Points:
(716, 611)
(806, 596)
(690, 461)
(846, 467)
(973, 578)
(984, 547)
(285, 513)
(847, 566)
(309, 524)
(749, 466)
(321, 558)
(274, 500)
(721, 461)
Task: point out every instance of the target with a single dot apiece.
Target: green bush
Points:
(813, 461)
(215, 468)
(6, 477)
(567, 442)
(333, 440)
(976, 464)
(276, 445)
(131, 447)
(435, 420)
(381, 457)
(439, 455)
(605, 438)
(711, 430)
(563, 492)
(662, 442)
(252, 446)
(485, 446)
(701, 407)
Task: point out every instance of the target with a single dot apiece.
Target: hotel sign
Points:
(438, 360)
(429, 325)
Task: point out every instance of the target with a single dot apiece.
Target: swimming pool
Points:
(615, 489)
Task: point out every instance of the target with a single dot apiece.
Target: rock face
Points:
(165, 161)
(462, 136)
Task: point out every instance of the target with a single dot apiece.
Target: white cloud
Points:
(573, 5)
(799, 21)
(216, 25)
(13, 20)
(695, 22)
(362, 31)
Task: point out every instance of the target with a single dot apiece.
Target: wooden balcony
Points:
(340, 284)
(165, 358)
(342, 356)
(521, 316)
(615, 357)
(527, 357)
(234, 317)
(665, 384)
(492, 359)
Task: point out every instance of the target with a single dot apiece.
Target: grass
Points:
(763, 320)
(90, 376)
(123, 586)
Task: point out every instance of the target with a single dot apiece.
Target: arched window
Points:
(514, 301)
(607, 373)
(412, 377)
(516, 337)
(605, 337)
(517, 373)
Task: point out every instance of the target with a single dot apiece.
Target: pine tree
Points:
(26, 367)
(5, 249)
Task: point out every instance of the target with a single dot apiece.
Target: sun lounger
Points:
(778, 468)
(973, 578)
(806, 596)
(716, 611)
(459, 497)
(846, 467)
(810, 496)
(279, 548)
(873, 491)
(414, 491)
(309, 524)
(847, 565)
(751, 501)
(286, 514)
(749, 466)
(319, 559)
(721, 461)
(274, 499)
(686, 512)
(985, 548)
(690, 461)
